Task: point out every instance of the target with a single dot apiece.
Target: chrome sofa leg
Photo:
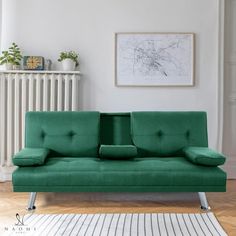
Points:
(31, 202)
(204, 202)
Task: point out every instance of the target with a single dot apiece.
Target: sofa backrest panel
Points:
(166, 133)
(64, 133)
(115, 128)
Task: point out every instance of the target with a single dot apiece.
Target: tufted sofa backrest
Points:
(79, 134)
(72, 134)
(166, 133)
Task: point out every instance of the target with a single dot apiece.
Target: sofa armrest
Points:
(117, 152)
(204, 156)
(30, 157)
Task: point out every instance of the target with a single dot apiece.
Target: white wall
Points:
(47, 27)
(0, 21)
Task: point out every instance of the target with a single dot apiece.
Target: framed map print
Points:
(154, 59)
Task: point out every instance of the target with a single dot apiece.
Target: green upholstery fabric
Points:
(166, 133)
(204, 156)
(30, 157)
(115, 128)
(68, 188)
(138, 174)
(73, 139)
(117, 151)
(64, 133)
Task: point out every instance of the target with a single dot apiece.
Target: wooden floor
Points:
(223, 205)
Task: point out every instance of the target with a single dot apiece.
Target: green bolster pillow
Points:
(204, 156)
(117, 151)
(30, 157)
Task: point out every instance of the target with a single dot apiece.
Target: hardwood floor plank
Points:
(222, 204)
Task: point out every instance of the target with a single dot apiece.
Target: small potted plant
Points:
(69, 60)
(11, 58)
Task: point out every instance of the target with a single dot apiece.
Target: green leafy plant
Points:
(69, 55)
(13, 55)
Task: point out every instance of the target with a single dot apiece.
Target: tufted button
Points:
(187, 133)
(71, 133)
(160, 133)
(43, 134)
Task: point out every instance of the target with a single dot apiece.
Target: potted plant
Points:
(11, 58)
(69, 60)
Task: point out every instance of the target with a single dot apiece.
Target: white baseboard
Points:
(6, 173)
(230, 167)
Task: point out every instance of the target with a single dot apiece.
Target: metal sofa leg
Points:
(31, 202)
(204, 203)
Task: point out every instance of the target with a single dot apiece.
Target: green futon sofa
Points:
(117, 152)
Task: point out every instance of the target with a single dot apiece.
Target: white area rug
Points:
(153, 224)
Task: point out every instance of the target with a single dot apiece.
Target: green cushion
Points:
(30, 157)
(64, 133)
(204, 156)
(117, 151)
(166, 133)
(138, 174)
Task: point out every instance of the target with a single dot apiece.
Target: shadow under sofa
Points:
(117, 152)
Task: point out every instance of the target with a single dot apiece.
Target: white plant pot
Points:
(8, 66)
(68, 65)
(16, 67)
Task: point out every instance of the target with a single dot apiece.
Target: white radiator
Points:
(30, 91)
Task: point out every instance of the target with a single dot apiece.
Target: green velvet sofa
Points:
(117, 152)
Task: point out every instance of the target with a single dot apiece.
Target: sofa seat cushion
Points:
(97, 172)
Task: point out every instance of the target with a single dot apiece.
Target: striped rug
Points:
(167, 224)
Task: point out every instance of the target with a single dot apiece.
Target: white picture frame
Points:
(154, 59)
